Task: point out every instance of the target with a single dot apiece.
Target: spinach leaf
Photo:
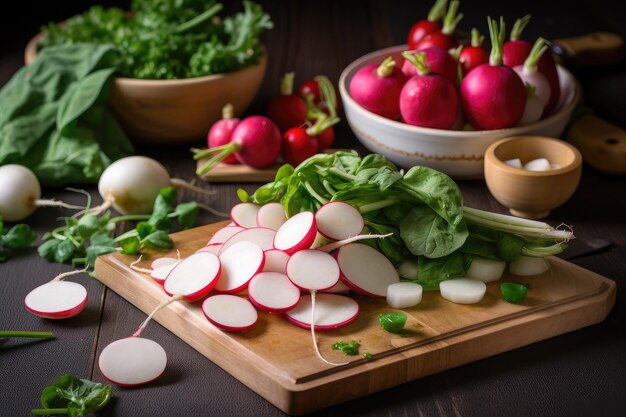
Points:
(20, 236)
(74, 397)
(430, 272)
(427, 234)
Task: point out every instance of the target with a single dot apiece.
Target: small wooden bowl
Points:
(532, 194)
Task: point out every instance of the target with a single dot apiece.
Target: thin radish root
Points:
(179, 183)
(335, 245)
(56, 203)
(98, 210)
(69, 273)
(317, 350)
(142, 270)
(212, 210)
(162, 305)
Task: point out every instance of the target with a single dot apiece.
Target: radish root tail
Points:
(162, 305)
(56, 203)
(335, 245)
(179, 183)
(317, 350)
(138, 269)
(67, 274)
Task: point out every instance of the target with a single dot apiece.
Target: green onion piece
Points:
(349, 349)
(512, 292)
(392, 322)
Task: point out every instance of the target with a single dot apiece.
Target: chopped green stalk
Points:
(518, 27)
(419, 60)
(438, 11)
(514, 293)
(367, 356)
(504, 218)
(497, 40)
(535, 55)
(314, 193)
(220, 152)
(451, 20)
(349, 349)
(322, 123)
(34, 335)
(386, 67)
(286, 84)
(543, 251)
(392, 322)
(477, 38)
(366, 208)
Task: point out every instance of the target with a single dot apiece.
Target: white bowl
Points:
(458, 153)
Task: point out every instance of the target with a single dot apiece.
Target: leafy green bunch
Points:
(73, 397)
(20, 236)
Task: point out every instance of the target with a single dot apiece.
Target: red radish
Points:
(338, 288)
(428, 100)
(325, 139)
(334, 311)
(255, 142)
(273, 292)
(429, 25)
(275, 261)
(474, 55)
(338, 220)
(240, 263)
(531, 76)
(310, 87)
(194, 277)
(132, 361)
(227, 232)
(57, 299)
(493, 96)
(159, 262)
(212, 248)
(297, 233)
(261, 236)
(438, 60)
(221, 132)
(377, 88)
(313, 270)
(445, 38)
(287, 110)
(160, 274)
(271, 215)
(366, 270)
(298, 144)
(229, 312)
(244, 215)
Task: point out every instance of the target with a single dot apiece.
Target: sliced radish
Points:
(271, 215)
(213, 248)
(486, 270)
(404, 294)
(57, 300)
(463, 290)
(273, 292)
(366, 270)
(240, 262)
(528, 265)
(229, 312)
(332, 311)
(320, 240)
(224, 234)
(261, 236)
(158, 262)
(132, 361)
(160, 274)
(194, 277)
(296, 233)
(244, 214)
(338, 288)
(275, 261)
(313, 270)
(338, 220)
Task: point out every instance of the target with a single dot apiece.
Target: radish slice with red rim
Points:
(224, 234)
(244, 214)
(132, 361)
(271, 215)
(261, 236)
(240, 262)
(366, 270)
(212, 248)
(297, 233)
(160, 274)
(338, 220)
(332, 311)
(158, 262)
(57, 300)
(339, 288)
(313, 270)
(229, 312)
(194, 277)
(273, 292)
(276, 261)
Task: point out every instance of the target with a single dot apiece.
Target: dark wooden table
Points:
(580, 373)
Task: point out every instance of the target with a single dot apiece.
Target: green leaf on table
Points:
(428, 234)
(187, 214)
(64, 251)
(79, 396)
(20, 236)
(102, 238)
(87, 225)
(144, 229)
(47, 249)
(130, 245)
(157, 240)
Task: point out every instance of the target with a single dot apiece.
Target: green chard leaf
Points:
(426, 233)
(430, 272)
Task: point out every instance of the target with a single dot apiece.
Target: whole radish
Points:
(445, 38)
(221, 132)
(325, 139)
(438, 60)
(473, 55)
(531, 76)
(287, 109)
(301, 143)
(429, 25)
(255, 142)
(533, 109)
(427, 99)
(377, 88)
(493, 95)
(310, 87)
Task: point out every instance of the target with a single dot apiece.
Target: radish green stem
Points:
(50, 411)
(497, 40)
(366, 208)
(419, 60)
(530, 65)
(438, 11)
(518, 27)
(529, 228)
(221, 151)
(334, 245)
(342, 174)
(451, 20)
(228, 111)
(542, 252)
(286, 84)
(314, 193)
(323, 123)
(67, 274)
(34, 335)
(199, 19)
(477, 38)
(162, 305)
(130, 217)
(317, 350)
(327, 94)
(329, 187)
(386, 67)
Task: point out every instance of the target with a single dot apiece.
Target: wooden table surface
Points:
(579, 373)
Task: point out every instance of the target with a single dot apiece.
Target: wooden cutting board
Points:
(277, 359)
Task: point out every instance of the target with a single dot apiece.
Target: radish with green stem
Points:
(365, 270)
(484, 108)
(273, 292)
(57, 299)
(287, 110)
(300, 143)
(20, 194)
(531, 76)
(297, 233)
(444, 38)
(221, 132)
(438, 60)
(229, 312)
(473, 55)
(429, 25)
(240, 262)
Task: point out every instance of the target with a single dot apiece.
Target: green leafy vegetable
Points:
(349, 349)
(430, 272)
(20, 236)
(513, 292)
(392, 322)
(73, 397)
(367, 356)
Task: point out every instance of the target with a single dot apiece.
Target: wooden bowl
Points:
(532, 194)
(176, 111)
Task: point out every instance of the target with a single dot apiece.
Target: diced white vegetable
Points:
(515, 163)
(132, 361)
(193, 277)
(160, 274)
(463, 290)
(276, 261)
(240, 262)
(555, 166)
(366, 270)
(271, 215)
(261, 236)
(338, 220)
(297, 233)
(57, 300)
(332, 311)
(528, 265)
(244, 214)
(273, 291)
(539, 164)
(229, 312)
(314, 270)
(224, 234)
(404, 294)
(486, 270)
(408, 269)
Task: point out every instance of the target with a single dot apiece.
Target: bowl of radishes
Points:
(424, 106)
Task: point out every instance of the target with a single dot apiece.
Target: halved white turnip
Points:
(160, 274)
(57, 299)
(271, 215)
(132, 361)
(404, 294)
(338, 220)
(194, 277)
(229, 312)
(261, 236)
(366, 270)
(240, 262)
(273, 292)
(224, 234)
(463, 290)
(276, 261)
(333, 311)
(244, 214)
(313, 270)
(297, 233)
